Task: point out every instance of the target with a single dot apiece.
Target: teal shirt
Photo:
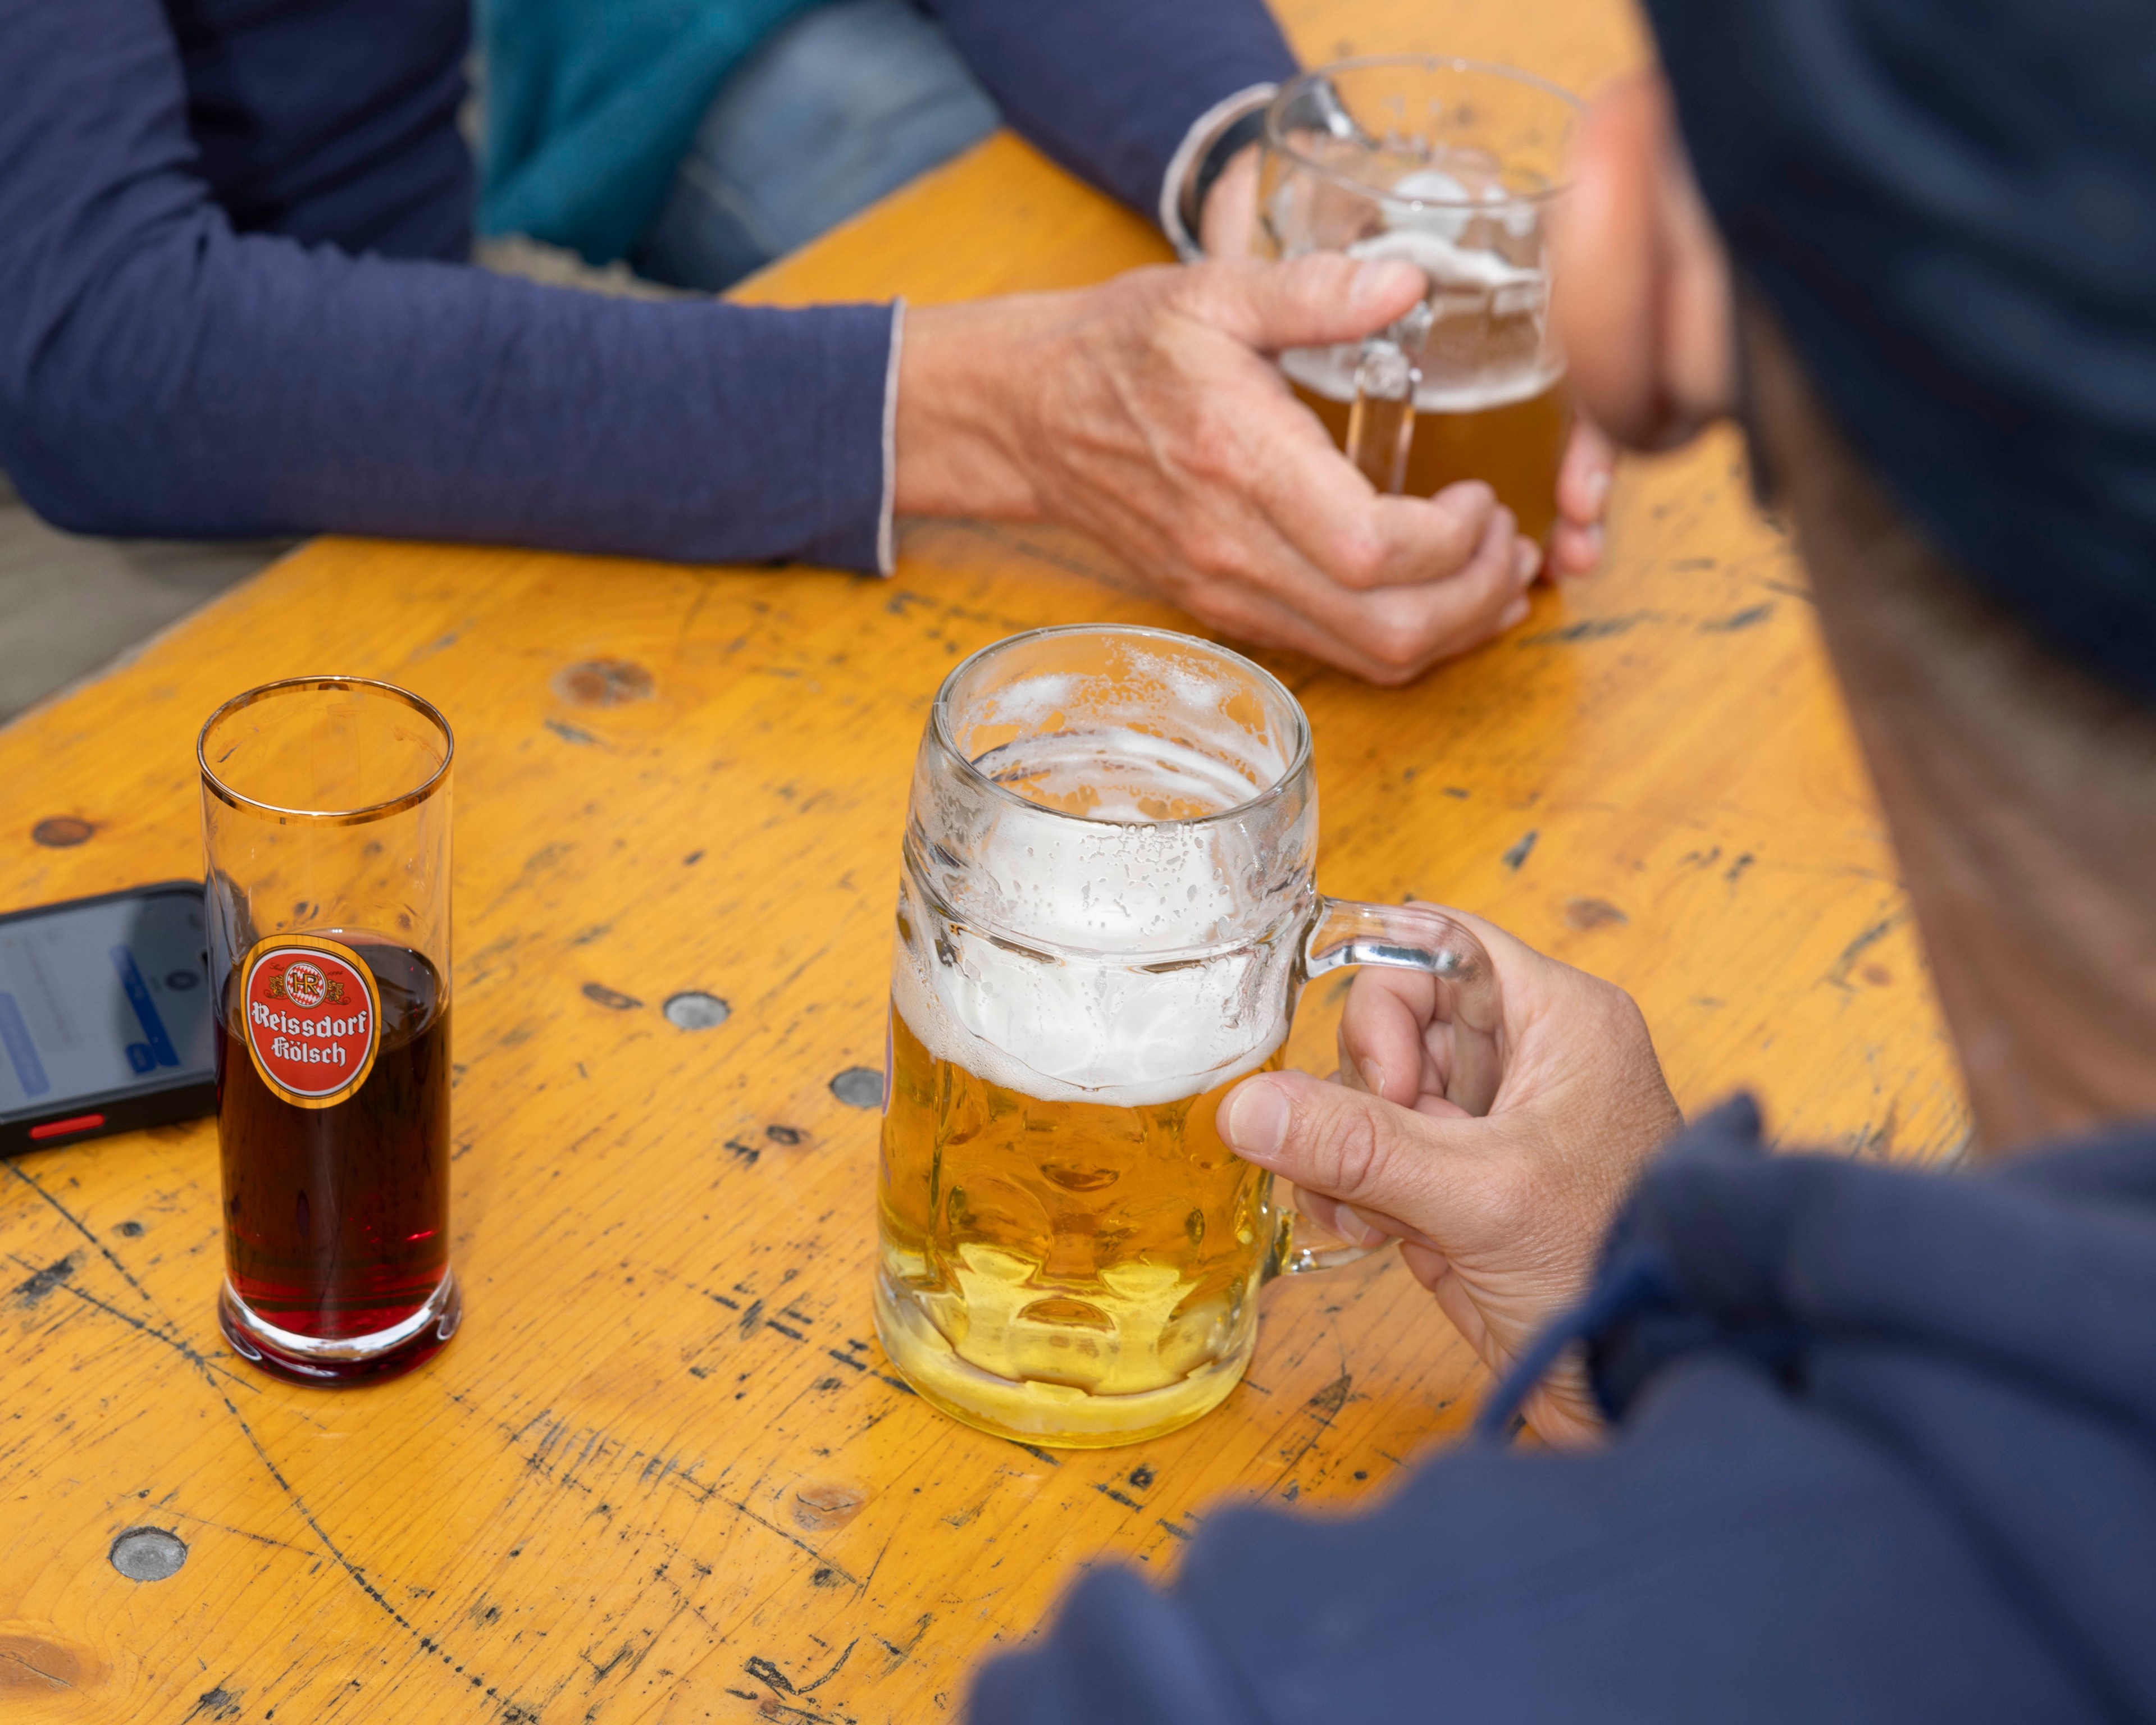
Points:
(591, 104)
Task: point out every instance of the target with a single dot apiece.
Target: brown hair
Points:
(2020, 789)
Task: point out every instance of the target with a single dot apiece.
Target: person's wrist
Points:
(1227, 219)
(1206, 150)
(1229, 144)
(958, 431)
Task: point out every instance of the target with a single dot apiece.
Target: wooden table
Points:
(664, 1473)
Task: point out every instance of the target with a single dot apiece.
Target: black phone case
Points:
(188, 1096)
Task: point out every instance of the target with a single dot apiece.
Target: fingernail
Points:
(1373, 1077)
(1254, 1122)
(1382, 279)
(1350, 1226)
(1594, 540)
(1598, 490)
(1527, 559)
(1517, 611)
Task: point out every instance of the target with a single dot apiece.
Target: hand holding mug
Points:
(1500, 1217)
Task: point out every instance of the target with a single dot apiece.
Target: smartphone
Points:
(105, 1016)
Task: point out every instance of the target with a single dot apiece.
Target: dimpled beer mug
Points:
(1452, 165)
(1105, 914)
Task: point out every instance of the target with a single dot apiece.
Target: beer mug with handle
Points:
(1453, 165)
(1107, 911)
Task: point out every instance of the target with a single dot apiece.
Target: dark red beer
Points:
(336, 1218)
(325, 818)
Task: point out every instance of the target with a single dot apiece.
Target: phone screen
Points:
(103, 998)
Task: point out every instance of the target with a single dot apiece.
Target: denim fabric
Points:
(844, 103)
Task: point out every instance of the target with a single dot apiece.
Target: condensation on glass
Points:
(1105, 914)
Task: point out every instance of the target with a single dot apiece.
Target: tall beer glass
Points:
(1105, 914)
(1452, 165)
(326, 814)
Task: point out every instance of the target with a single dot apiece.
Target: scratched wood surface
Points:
(664, 1473)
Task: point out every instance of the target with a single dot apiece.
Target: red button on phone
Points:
(61, 1128)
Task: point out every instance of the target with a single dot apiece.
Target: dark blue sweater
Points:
(1885, 1450)
(232, 299)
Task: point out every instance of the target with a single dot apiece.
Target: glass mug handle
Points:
(1405, 937)
(1381, 424)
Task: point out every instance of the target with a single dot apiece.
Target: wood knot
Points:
(1585, 913)
(603, 682)
(35, 1662)
(821, 1507)
(62, 832)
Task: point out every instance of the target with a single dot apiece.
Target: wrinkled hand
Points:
(1227, 230)
(1501, 1217)
(1148, 412)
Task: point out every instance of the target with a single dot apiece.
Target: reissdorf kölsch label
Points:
(314, 1019)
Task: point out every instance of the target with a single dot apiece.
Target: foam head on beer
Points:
(1451, 167)
(1117, 956)
(1107, 877)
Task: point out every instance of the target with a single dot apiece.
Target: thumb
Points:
(1310, 302)
(1344, 1144)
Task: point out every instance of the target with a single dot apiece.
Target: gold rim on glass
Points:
(329, 817)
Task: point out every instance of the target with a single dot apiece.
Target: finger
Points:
(1353, 1149)
(1414, 627)
(1404, 630)
(1582, 482)
(1381, 1031)
(1241, 576)
(1307, 302)
(1325, 507)
(1574, 551)
(1426, 1264)
(1259, 620)
(1228, 225)
(1390, 1018)
(1342, 1221)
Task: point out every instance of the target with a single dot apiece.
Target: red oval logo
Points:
(314, 1019)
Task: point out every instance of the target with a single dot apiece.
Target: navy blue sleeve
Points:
(1728, 1556)
(1883, 1453)
(162, 374)
(1108, 88)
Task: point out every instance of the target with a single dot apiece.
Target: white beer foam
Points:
(1330, 372)
(1104, 897)
(1427, 238)
(1111, 1035)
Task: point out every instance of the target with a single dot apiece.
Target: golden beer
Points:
(1076, 1270)
(1511, 438)
(1106, 911)
(1453, 166)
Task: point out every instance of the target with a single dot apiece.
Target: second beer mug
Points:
(1453, 166)
(1106, 913)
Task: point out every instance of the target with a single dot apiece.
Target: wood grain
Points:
(664, 1473)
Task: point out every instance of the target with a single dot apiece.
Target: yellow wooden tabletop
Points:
(664, 1473)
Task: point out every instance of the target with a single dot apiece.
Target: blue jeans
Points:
(845, 103)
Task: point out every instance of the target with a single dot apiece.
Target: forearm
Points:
(282, 392)
(161, 374)
(968, 379)
(1110, 88)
